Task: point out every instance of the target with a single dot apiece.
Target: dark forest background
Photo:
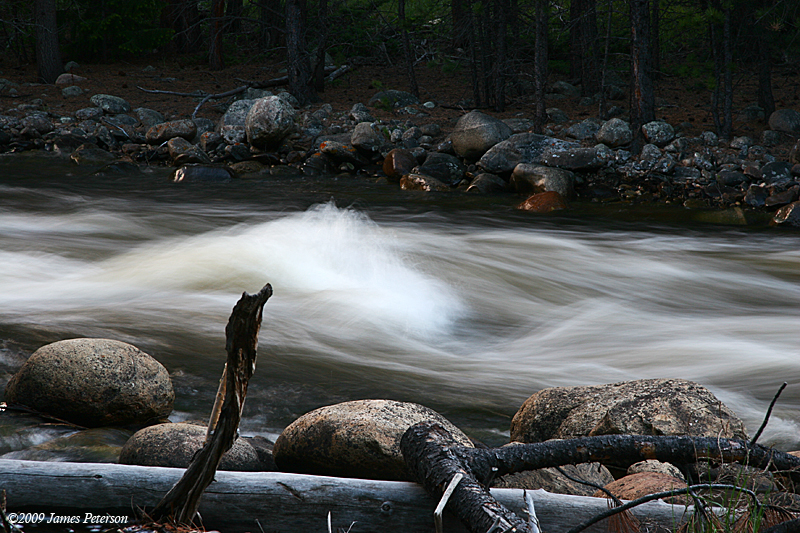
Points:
(508, 47)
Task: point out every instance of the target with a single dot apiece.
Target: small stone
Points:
(788, 215)
(71, 91)
(89, 154)
(398, 163)
(165, 131)
(420, 182)
(485, 183)
(69, 79)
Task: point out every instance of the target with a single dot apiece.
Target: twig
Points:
(769, 412)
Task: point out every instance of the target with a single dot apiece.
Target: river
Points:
(457, 302)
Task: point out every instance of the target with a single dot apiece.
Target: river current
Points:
(456, 302)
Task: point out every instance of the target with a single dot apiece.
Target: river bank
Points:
(749, 180)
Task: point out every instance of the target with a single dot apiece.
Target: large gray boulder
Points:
(658, 132)
(174, 445)
(444, 167)
(366, 137)
(236, 114)
(476, 132)
(354, 439)
(269, 121)
(642, 407)
(92, 383)
(614, 133)
(521, 148)
(785, 120)
(580, 159)
(530, 178)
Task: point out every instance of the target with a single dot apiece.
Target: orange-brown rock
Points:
(543, 202)
(637, 485)
(398, 163)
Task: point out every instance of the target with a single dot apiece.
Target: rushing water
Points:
(456, 302)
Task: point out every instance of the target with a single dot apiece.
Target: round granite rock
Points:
(93, 383)
(354, 439)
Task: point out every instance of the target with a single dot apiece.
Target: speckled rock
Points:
(113, 105)
(354, 439)
(93, 382)
(174, 445)
(186, 129)
(651, 465)
(269, 121)
(476, 132)
(642, 407)
(614, 133)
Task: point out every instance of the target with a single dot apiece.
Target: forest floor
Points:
(688, 102)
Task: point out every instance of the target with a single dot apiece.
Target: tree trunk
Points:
(180, 504)
(575, 53)
(401, 18)
(184, 19)
(642, 96)
(319, 67)
(590, 82)
(233, 15)
(48, 56)
(500, 59)
(215, 59)
(298, 66)
(727, 105)
(604, 70)
(765, 99)
(460, 21)
(540, 65)
(270, 18)
(655, 22)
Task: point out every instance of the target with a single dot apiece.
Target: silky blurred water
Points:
(458, 303)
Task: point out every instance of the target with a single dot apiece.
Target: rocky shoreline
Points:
(105, 385)
(263, 135)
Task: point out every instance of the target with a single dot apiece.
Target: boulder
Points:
(69, 79)
(148, 117)
(614, 133)
(444, 167)
(566, 89)
(366, 137)
(186, 129)
(89, 113)
(475, 133)
(788, 215)
(89, 154)
(579, 159)
(183, 152)
(651, 465)
(485, 183)
(113, 105)
(421, 182)
(359, 113)
(92, 383)
(354, 439)
(174, 445)
(521, 148)
(585, 129)
(776, 172)
(342, 153)
(635, 486)
(398, 163)
(551, 480)
(642, 407)
(236, 114)
(658, 133)
(39, 122)
(785, 120)
(529, 178)
(269, 121)
(543, 202)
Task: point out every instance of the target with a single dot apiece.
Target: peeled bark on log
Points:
(181, 503)
(434, 458)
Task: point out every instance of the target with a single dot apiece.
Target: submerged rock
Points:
(355, 439)
(174, 445)
(93, 382)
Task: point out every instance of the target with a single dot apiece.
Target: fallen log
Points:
(434, 457)
(279, 502)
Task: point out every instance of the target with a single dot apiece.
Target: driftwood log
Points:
(435, 458)
(181, 503)
(237, 502)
